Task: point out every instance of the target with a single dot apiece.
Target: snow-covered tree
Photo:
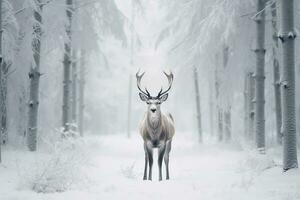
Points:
(287, 37)
(66, 117)
(260, 51)
(198, 106)
(276, 72)
(34, 77)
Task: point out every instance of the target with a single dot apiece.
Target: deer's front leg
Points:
(149, 148)
(166, 157)
(146, 162)
(161, 153)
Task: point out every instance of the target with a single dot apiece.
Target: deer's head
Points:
(154, 101)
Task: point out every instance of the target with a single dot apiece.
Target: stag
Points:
(156, 128)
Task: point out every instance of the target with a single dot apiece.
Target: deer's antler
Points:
(138, 82)
(170, 80)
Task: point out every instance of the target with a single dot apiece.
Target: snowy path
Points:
(115, 165)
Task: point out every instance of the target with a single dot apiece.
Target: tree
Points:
(136, 5)
(211, 108)
(1, 60)
(74, 90)
(276, 73)
(227, 109)
(81, 92)
(246, 103)
(250, 105)
(67, 69)
(260, 51)
(5, 66)
(287, 38)
(198, 107)
(131, 65)
(74, 67)
(219, 108)
(227, 122)
(8, 37)
(34, 77)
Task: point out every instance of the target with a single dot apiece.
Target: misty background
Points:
(70, 107)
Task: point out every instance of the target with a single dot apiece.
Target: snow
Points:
(111, 167)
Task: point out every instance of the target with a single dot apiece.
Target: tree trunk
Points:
(67, 70)
(220, 124)
(198, 107)
(22, 114)
(129, 106)
(211, 108)
(227, 120)
(1, 59)
(34, 77)
(287, 38)
(74, 90)
(276, 74)
(251, 106)
(4, 73)
(81, 92)
(219, 109)
(227, 112)
(131, 65)
(260, 77)
(246, 105)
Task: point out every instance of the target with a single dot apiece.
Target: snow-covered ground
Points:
(110, 167)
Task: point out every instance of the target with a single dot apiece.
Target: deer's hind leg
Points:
(166, 157)
(146, 162)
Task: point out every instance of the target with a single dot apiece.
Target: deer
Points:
(157, 129)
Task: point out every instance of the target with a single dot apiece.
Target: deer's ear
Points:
(143, 97)
(164, 97)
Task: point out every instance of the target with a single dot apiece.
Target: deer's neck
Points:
(154, 121)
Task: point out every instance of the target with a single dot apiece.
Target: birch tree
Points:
(251, 105)
(198, 107)
(1, 59)
(136, 5)
(74, 90)
(5, 66)
(211, 108)
(246, 104)
(74, 66)
(219, 109)
(131, 66)
(67, 69)
(81, 92)
(8, 40)
(287, 37)
(260, 51)
(227, 109)
(276, 73)
(227, 122)
(34, 78)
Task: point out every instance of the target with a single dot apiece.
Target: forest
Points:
(137, 99)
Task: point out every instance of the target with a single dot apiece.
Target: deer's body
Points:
(157, 129)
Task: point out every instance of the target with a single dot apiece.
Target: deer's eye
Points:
(148, 102)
